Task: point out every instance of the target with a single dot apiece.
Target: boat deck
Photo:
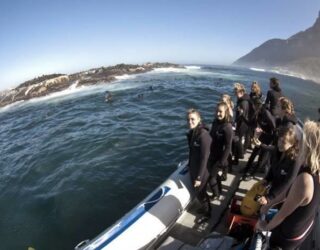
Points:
(186, 233)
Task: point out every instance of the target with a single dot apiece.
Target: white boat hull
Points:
(151, 218)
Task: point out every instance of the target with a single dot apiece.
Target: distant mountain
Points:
(47, 84)
(298, 55)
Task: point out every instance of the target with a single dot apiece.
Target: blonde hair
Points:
(194, 111)
(227, 117)
(311, 145)
(228, 100)
(256, 87)
(239, 87)
(286, 105)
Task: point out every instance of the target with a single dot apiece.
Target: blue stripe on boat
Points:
(133, 217)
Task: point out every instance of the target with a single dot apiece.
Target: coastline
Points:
(49, 84)
(284, 72)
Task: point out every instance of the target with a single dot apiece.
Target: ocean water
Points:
(72, 164)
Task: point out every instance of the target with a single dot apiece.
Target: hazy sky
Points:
(63, 36)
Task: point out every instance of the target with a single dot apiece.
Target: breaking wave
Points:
(125, 77)
(258, 69)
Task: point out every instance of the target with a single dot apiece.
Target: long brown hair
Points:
(290, 134)
(275, 84)
(256, 88)
(286, 105)
(227, 117)
(228, 100)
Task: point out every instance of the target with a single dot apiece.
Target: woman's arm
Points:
(228, 134)
(300, 194)
(205, 143)
(271, 121)
(271, 203)
(268, 99)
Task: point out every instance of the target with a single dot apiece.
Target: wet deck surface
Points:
(187, 234)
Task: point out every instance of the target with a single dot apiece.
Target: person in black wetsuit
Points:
(199, 141)
(256, 94)
(273, 95)
(227, 99)
(255, 106)
(288, 116)
(285, 165)
(220, 151)
(242, 117)
(266, 126)
(294, 221)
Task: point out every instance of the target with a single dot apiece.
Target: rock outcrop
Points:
(47, 84)
(298, 55)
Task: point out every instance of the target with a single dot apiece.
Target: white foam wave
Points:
(72, 92)
(258, 69)
(196, 72)
(125, 77)
(289, 73)
(74, 86)
(192, 67)
(281, 72)
(11, 106)
(284, 72)
(168, 70)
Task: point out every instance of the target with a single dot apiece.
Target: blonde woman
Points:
(242, 118)
(227, 99)
(255, 94)
(199, 141)
(284, 164)
(293, 223)
(220, 152)
(255, 105)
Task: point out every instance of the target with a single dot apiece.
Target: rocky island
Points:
(298, 55)
(47, 84)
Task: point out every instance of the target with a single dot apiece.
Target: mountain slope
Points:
(299, 54)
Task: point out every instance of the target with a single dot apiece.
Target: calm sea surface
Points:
(72, 164)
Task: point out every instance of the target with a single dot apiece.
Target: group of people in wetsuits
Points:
(289, 157)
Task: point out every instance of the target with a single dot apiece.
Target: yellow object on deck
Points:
(249, 206)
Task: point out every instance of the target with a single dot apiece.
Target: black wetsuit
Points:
(298, 222)
(220, 152)
(272, 100)
(242, 126)
(199, 141)
(256, 99)
(242, 103)
(267, 123)
(287, 120)
(255, 104)
(281, 174)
